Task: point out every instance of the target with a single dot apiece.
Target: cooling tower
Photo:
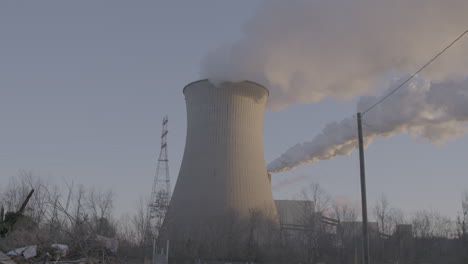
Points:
(223, 172)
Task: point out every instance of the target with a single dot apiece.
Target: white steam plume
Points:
(437, 111)
(305, 50)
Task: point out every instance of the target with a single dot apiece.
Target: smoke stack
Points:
(223, 169)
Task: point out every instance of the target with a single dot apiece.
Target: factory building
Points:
(294, 212)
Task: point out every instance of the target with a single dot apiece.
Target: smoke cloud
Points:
(436, 111)
(306, 50)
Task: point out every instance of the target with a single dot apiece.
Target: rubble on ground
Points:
(86, 247)
(57, 254)
(109, 243)
(4, 259)
(25, 252)
(61, 251)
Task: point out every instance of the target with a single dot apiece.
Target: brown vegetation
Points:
(77, 216)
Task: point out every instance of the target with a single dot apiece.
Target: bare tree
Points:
(314, 237)
(430, 224)
(126, 230)
(462, 218)
(18, 187)
(381, 212)
(157, 212)
(387, 216)
(319, 197)
(79, 214)
(140, 223)
(100, 203)
(344, 211)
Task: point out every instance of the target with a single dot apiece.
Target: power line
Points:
(418, 71)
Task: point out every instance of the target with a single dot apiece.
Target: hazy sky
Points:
(84, 86)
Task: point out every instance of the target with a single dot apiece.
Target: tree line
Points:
(73, 213)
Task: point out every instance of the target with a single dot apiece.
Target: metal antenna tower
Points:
(161, 191)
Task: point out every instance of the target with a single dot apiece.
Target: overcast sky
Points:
(84, 86)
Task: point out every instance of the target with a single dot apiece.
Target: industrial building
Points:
(223, 172)
(223, 176)
(294, 212)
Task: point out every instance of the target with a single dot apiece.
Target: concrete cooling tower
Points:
(223, 170)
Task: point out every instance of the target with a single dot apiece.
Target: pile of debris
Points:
(92, 249)
(95, 250)
(55, 253)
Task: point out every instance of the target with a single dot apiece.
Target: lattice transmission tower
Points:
(161, 191)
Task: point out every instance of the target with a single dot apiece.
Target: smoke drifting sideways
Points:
(436, 111)
(306, 50)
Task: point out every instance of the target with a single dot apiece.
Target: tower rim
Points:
(245, 81)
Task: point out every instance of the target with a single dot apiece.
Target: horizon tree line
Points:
(74, 213)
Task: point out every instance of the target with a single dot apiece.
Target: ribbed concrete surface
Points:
(223, 169)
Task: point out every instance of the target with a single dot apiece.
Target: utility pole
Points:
(365, 234)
